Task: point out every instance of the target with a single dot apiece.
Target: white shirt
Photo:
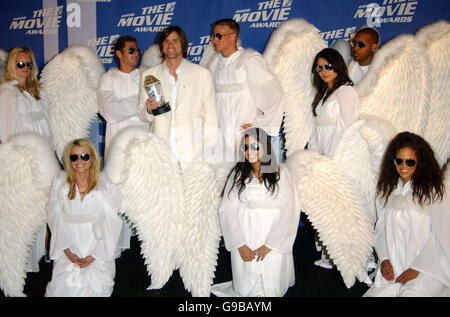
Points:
(334, 116)
(246, 92)
(173, 86)
(21, 112)
(117, 99)
(356, 72)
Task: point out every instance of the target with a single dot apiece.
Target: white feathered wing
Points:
(150, 181)
(151, 57)
(200, 232)
(397, 86)
(328, 198)
(69, 81)
(436, 38)
(290, 53)
(28, 168)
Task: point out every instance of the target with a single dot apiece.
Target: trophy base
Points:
(162, 109)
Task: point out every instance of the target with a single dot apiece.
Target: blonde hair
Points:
(70, 171)
(11, 73)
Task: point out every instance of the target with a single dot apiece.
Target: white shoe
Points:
(324, 264)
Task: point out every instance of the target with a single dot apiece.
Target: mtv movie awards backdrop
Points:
(49, 26)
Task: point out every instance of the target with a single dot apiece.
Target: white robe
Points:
(20, 112)
(117, 99)
(246, 92)
(413, 237)
(356, 72)
(87, 227)
(334, 116)
(256, 219)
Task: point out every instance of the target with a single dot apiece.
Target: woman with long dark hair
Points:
(412, 231)
(335, 108)
(259, 216)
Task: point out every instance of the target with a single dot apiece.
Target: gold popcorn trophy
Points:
(162, 116)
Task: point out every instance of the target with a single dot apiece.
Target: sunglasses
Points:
(23, 64)
(253, 147)
(84, 156)
(326, 66)
(360, 44)
(409, 162)
(219, 36)
(132, 50)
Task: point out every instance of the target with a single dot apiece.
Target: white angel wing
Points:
(343, 47)
(69, 82)
(200, 231)
(290, 53)
(397, 86)
(436, 38)
(327, 197)
(3, 59)
(359, 154)
(28, 168)
(151, 57)
(149, 179)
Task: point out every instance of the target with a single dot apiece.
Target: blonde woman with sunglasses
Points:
(85, 226)
(22, 108)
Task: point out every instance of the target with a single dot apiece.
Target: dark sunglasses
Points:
(253, 147)
(83, 156)
(132, 50)
(360, 44)
(219, 36)
(23, 64)
(409, 162)
(326, 66)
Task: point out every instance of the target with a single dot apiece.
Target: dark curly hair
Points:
(269, 165)
(334, 58)
(427, 180)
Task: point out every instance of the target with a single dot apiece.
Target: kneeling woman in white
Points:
(259, 216)
(412, 236)
(85, 225)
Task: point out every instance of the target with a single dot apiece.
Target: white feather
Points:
(69, 81)
(334, 209)
(3, 59)
(28, 168)
(151, 57)
(397, 86)
(436, 38)
(343, 47)
(200, 231)
(290, 54)
(149, 179)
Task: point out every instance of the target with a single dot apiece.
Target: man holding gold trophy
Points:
(177, 98)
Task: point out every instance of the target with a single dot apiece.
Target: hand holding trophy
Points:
(162, 119)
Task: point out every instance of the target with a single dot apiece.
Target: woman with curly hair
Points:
(412, 231)
(259, 216)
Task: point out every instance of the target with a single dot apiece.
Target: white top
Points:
(410, 236)
(21, 112)
(260, 218)
(356, 72)
(87, 227)
(246, 92)
(334, 116)
(117, 99)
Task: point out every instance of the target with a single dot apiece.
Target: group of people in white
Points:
(237, 98)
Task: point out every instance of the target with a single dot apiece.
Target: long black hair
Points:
(340, 68)
(243, 168)
(427, 180)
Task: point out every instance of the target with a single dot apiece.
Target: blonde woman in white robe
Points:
(335, 108)
(85, 226)
(22, 109)
(259, 216)
(412, 233)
